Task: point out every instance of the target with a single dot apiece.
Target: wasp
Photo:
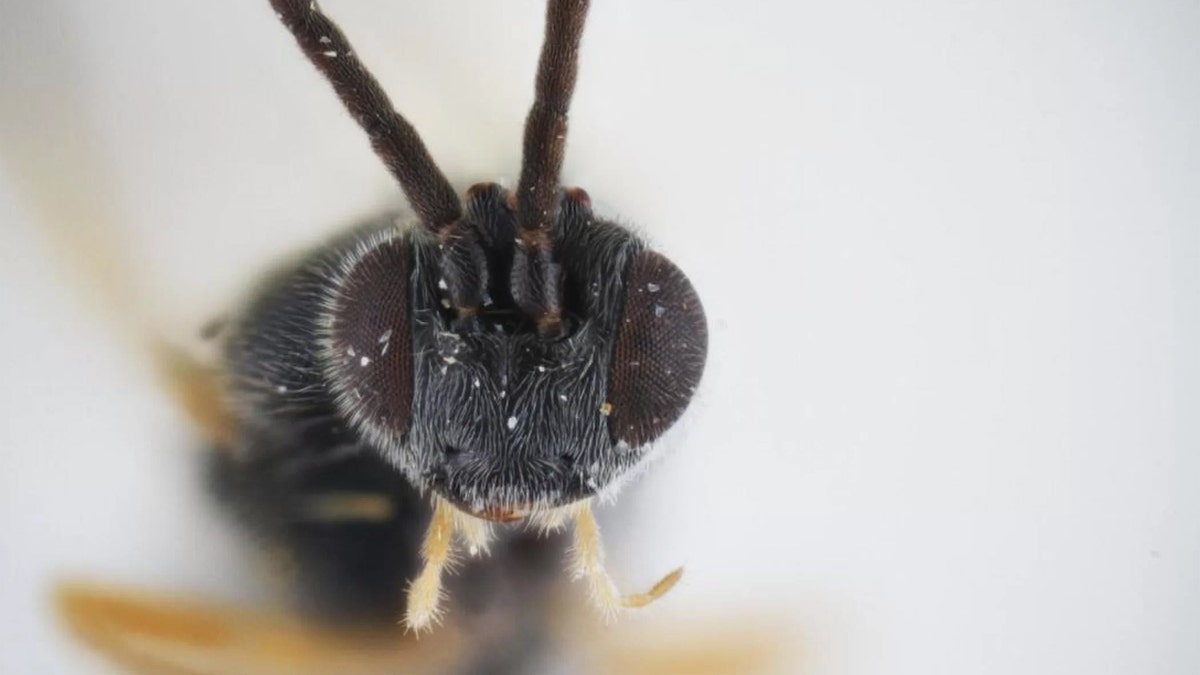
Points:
(500, 357)
(511, 354)
(382, 407)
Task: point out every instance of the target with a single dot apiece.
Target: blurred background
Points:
(950, 254)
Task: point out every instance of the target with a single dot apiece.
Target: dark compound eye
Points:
(370, 342)
(662, 342)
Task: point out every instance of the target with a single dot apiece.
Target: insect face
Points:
(490, 413)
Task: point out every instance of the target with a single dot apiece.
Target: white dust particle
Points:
(541, 369)
(445, 303)
(606, 409)
(442, 284)
(281, 389)
(659, 310)
(324, 39)
(387, 335)
(653, 288)
(330, 54)
(512, 423)
(476, 383)
(364, 361)
(351, 352)
(562, 397)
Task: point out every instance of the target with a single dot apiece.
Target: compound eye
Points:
(369, 362)
(662, 343)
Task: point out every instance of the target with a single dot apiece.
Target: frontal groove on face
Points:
(504, 417)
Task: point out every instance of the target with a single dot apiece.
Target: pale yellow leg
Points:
(476, 533)
(198, 390)
(665, 584)
(742, 645)
(588, 564)
(425, 593)
(153, 635)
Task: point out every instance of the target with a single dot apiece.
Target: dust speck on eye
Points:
(562, 397)
(653, 287)
(503, 393)
(476, 383)
(387, 335)
(281, 389)
(324, 39)
(331, 54)
(445, 303)
(606, 409)
(364, 361)
(450, 359)
(351, 352)
(443, 370)
(541, 369)
(512, 423)
(659, 310)
(442, 284)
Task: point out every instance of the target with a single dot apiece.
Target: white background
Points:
(948, 250)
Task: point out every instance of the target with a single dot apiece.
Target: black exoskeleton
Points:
(512, 354)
